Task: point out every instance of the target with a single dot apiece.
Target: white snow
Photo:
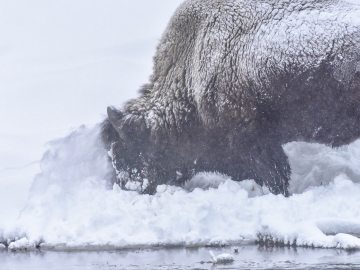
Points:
(316, 164)
(21, 244)
(224, 258)
(61, 64)
(71, 206)
(64, 72)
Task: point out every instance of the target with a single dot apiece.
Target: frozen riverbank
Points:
(70, 205)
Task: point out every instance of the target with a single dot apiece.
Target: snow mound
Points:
(207, 180)
(71, 205)
(317, 165)
(224, 258)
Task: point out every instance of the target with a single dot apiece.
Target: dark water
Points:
(248, 257)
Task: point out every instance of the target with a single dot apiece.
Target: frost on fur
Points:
(235, 80)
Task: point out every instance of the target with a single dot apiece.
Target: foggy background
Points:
(61, 64)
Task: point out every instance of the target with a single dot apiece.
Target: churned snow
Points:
(71, 205)
(52, 71)
(61, 64)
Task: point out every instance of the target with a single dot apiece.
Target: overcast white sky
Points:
(62, 62)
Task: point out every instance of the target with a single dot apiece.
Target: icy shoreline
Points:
(214, 217)
(70, 206)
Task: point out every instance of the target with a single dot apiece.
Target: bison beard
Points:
(232, 82)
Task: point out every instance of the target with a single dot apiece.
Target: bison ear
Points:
(115, 116)
(116, 119)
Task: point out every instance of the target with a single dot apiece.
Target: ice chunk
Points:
(224, 258)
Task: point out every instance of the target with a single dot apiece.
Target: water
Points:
(248, 257)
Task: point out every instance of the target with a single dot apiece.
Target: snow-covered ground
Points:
(71, 206)
(61, 64)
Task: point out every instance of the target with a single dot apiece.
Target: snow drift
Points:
(71, 205)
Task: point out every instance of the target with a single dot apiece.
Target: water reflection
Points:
(248, 257)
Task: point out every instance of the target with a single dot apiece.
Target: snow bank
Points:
(316, 164)
(71, 206)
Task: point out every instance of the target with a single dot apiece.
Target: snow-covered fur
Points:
(233, 80)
